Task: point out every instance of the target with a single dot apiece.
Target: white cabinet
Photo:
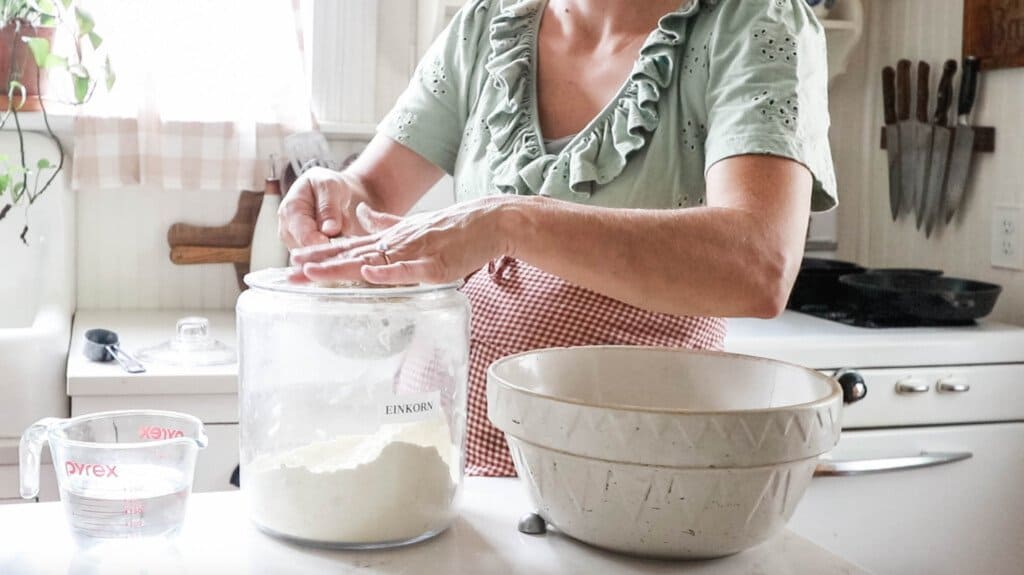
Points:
(961, 517)
(843, 30)
(216, 464)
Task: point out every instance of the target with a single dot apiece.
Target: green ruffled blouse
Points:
(717, 78)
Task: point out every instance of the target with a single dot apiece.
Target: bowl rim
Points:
(835, 394)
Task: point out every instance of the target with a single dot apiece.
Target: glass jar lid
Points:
(276, 279)
(192, 346)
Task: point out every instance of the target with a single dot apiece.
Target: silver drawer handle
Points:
(951, 387)
(911, 386)
(841, 467)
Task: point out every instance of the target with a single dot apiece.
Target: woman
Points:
(626, 173)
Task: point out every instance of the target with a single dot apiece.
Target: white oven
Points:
(928, 476)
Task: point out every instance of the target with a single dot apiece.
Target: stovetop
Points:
(824, 344)
(851, 314)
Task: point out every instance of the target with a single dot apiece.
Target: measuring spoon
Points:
(102, 345)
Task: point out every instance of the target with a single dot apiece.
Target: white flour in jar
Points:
(394, 485)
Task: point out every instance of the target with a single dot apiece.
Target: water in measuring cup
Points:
(150, 504)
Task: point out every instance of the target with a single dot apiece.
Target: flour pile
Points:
(392, 486)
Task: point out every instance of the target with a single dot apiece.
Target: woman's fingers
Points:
(334, 270)
(329, 199)
(304, 232)
(428, 271)
(347, 247)
(316, 253)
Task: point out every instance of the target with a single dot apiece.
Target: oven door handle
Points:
(842, 467)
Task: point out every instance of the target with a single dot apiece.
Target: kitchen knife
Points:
(905, 128)
(892, 138)
(941, 138)
(963, 140)
(922, 141)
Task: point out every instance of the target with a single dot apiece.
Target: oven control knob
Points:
(853, 384)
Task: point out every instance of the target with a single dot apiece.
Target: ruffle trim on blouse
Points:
(517, 160)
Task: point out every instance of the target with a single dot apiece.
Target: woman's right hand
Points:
(320, 205)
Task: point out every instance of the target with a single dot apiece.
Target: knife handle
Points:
(903, 90)
(889, 94)
(944, 100)
(968, 86)
(923, 73)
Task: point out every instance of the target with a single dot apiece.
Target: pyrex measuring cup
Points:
(121, 474)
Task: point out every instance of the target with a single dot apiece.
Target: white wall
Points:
(925, 30)
(123, 256)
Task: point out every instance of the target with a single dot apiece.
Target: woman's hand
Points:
(318, 207)
(432, 247)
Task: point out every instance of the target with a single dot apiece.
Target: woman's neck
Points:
(608, 22)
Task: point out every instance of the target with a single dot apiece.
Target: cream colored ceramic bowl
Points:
(660, 452)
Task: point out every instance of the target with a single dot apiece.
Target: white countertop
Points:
(138, 329)
(219, 539)
(793, 337)
(827, 345)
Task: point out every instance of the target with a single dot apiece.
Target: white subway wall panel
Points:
(123, 256)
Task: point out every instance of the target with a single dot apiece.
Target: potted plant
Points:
(29, 30)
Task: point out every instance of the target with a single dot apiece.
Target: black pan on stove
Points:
(927, 297)
(817, 284)
(905, 271)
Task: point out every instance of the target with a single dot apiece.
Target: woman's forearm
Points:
(390, 177)
(700, 261)
(736, 257)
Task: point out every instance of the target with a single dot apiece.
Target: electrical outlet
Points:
(1008, 237)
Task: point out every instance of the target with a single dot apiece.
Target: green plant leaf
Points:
(67, 4)
(81, 87)
(85, 21)
(43, 163)
(108, 71)
(44, 7)
(5, 181)
(40, 48)
(47, 21)
(55, 61)
(95, 39)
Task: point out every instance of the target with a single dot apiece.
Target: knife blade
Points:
(963, 140)
(922, 141)
(905, 128)
(892, 138)
(941, 138)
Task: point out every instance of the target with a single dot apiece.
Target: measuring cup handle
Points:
(28, 455)
(129, 363)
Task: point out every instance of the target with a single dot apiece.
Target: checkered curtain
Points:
(206, 91)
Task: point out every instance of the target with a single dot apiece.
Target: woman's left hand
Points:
(432, 247)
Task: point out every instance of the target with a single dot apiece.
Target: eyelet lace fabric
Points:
(713, 80)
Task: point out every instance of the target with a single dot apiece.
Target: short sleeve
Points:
(768, 88)
(431, 113)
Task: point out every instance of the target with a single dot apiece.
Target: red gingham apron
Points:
(517, 307)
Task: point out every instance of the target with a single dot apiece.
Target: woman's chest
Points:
(573, 86)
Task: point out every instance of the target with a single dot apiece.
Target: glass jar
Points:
(352, 409)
